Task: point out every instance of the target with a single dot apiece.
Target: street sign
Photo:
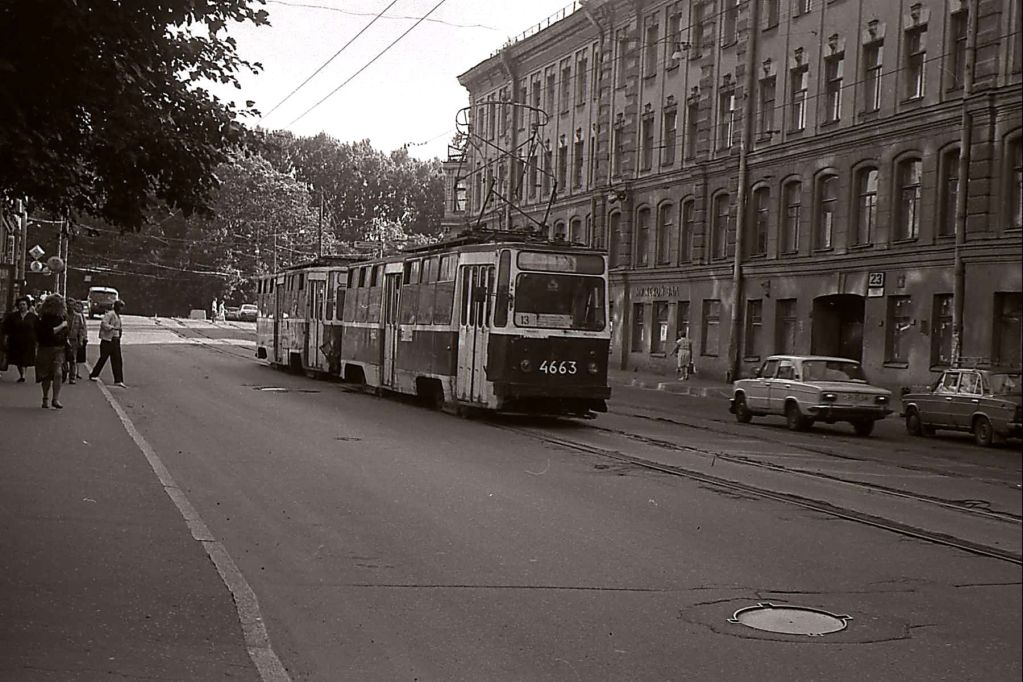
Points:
(367, 245)
(36, 252)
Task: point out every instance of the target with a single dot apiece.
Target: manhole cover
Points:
(790, 620)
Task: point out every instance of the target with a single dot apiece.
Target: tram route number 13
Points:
(557, 367)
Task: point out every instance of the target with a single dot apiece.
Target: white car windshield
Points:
(832, 370)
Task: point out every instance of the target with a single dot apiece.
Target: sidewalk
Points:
(695, 386)
(99, 574)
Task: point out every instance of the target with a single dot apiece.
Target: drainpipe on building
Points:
(745, 135)
(965, 141)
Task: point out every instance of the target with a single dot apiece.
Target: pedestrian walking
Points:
(220, 311)
(684, 355)
(213, 310)
(19, 334)
(110, 344)
(77, 338)
(51, 337)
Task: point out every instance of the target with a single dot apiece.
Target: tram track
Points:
(816, 505)
(973, 508)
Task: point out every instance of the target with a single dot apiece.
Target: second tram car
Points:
(509, 326)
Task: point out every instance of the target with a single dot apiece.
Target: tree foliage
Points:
(103, 108)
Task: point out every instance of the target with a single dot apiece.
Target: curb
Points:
(679, 388)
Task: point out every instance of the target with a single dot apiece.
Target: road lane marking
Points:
(257, 640)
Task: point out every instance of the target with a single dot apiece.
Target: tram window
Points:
(424, 311)
(448, 266)
(503, 285)
(362, 277)
(443, 302)
(466, 285)
(414, 272)
(301, 281)
(429, 270)
(559, 301)
(485, 302)
(375, 278)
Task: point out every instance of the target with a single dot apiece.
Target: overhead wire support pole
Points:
(962, 191)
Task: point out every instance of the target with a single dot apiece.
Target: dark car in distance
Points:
(984, 402)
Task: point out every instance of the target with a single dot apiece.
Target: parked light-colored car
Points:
(810, 388)
(983, 402)
(248, 312)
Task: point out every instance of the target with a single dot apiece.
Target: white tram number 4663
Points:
(557, 367)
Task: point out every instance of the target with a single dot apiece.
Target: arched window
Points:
(793, 200)
(599, 235)
(687, 218)
(665, 228)
(614, 222)
(722, 225)
(827, 206)
(642, 237)
(760, 221)
(1014, 155)
(908, 181)
(559, 230)
(866, 206)
(575, 231)
(949, 189)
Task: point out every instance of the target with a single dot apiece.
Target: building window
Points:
(873, 55)
(599, 236)
(958, 23)
(548, 169)
(710, 338)
(866, 205)
(682, 319)
(621, 47)
(560, 233)
(687, 216)
(799, 78)
(643, 237)
(647, 143)
(577, 163)
(941, 331)
(916, 61)
(659, 339)
(765, 113)
(699, 36)
(729, 22)
(566, 85)
(907, 219)
(761, 207)
(793, 198)
(595, 59)
(786, 324)
(531, 164)
(726, 119)
(552, 81)
(950, 192)
(650, 48)
(1015, 156)
(900, 320)
(722, 214)
(827, 203)
(534, 97)
(692, 127)
(770, 11)
(833, 71)
(668, 137)
(580, 78)
(754, 323)
(491, 117)
(673, 44)
(665, 227)
(638, 328)
(562, 164)
(614, 224)
(802, 7)
(1007, 337)
(616, 150)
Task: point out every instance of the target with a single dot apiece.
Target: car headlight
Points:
(592, 367)
(526, 366)
(881, 399)
(829, 397)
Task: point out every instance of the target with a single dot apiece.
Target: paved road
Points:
(386, 541)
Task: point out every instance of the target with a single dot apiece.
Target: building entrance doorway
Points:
(838, 326)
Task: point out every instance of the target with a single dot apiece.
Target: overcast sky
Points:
(409, 95)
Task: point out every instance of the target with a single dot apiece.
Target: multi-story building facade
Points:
(840, 177)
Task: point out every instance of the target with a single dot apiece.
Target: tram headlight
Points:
(526, 366)
(593, 367)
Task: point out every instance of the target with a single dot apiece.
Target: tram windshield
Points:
(559, 301)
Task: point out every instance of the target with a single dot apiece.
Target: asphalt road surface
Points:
(386, 541)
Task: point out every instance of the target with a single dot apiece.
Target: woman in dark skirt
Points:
(19, 332)
(51, 335)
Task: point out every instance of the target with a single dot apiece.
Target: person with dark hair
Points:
(110, 344)
(51, 335)
(19, 336)
(77, 338)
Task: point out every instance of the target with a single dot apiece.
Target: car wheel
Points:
(914, 426)
(982, 432)
(742, 413)
(794, 419)
(864, 427)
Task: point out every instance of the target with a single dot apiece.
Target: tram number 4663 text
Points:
(558, 367)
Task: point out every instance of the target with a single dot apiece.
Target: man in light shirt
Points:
(110, 345)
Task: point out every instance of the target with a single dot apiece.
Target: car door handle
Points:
(975, 400)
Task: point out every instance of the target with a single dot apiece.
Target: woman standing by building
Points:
(19, 332)
(51, 335)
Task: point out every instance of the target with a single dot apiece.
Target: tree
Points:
(103, 108)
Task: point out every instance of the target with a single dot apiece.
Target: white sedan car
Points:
(809, 388)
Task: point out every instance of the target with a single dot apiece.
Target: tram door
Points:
(278, 313)
(314, 326)
(392, 290)
(474, 332)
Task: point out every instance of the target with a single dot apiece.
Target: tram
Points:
(508, 325)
